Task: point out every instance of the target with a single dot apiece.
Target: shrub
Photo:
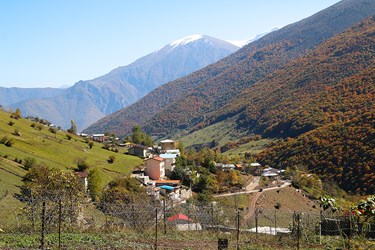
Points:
(69, 136)
(11, 123)
(6, 141)
(29, 163)
(82, 165)
(18, 160)
(52, 130)
(17, 132)
(111, 159)
(16, 114)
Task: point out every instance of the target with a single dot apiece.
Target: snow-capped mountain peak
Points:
(186, 40)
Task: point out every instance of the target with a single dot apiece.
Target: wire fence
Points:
(57, 224)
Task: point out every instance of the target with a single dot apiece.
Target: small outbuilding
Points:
(183, 222)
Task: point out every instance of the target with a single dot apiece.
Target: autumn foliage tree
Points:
(49, 190)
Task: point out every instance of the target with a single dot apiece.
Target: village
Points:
(160, 162)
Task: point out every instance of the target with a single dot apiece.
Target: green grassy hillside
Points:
(10, 179)
(54, 150)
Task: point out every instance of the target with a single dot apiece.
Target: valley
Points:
(268, 146)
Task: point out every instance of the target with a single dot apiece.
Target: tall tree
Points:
(139, 137)
(73, 127)
(94, 184)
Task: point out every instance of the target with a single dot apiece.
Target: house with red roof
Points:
(183, 222)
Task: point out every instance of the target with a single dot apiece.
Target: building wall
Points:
(167, 145)
(155, 169)
(169, 164)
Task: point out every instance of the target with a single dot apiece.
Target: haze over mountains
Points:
(305, 82)
(10, 96)
(88, 101)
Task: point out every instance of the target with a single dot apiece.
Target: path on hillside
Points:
(248, 189)
(251, 189)
(252, 202)
(252, 206)
(253, 184)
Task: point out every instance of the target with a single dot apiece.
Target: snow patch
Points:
(238, 43)
(186, 40)
(241, 43)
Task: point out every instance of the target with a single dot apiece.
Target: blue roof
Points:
(167, 187)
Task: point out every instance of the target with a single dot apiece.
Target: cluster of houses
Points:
(159, 161)
(251, 168)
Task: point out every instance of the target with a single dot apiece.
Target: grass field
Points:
(58, 151)
(54, 150)
(221, 132)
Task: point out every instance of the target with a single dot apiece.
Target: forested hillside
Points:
(324, 104)
(286, 103)
(182, 104)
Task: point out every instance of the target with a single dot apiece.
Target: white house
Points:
(170, 160)
(167, 145)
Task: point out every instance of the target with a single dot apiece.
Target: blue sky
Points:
(52, 43)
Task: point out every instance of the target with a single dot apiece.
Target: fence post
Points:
(60, 214)
(298, 230)
(275, 225)
(320, 228)
(350, 230)
(133, 215)
(164, 217)
(238, 230)
(156, 229)
(43, 224)
(256, 223)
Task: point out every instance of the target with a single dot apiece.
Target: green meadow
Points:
(55, 150)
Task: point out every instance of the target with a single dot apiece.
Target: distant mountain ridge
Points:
(13, 95)
(88, 101)
(184, 104)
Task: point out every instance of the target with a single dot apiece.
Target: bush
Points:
(82, 165)
(17, 132)
(52, 130)
(18, 160)
(6, 141)
(11, 123)
(29, 163)
(111, 159)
